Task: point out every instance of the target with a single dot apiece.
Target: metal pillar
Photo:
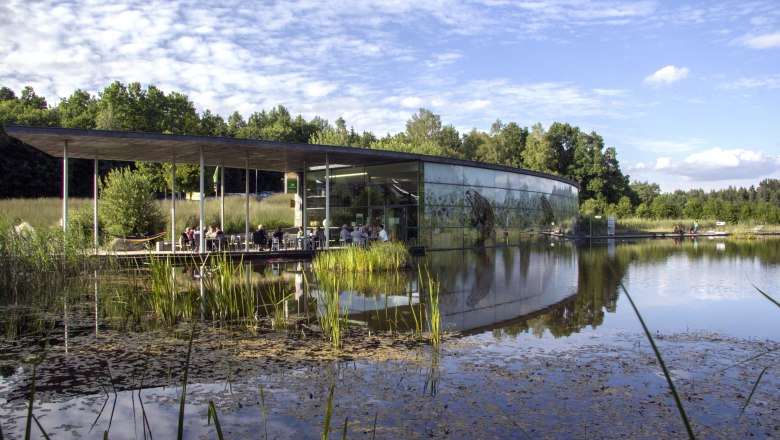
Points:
(304, 217)
(202, 235)
(65, 187)
(327, 202)
(222, 197)
(173, 205)
(95, 207)
(246, 216)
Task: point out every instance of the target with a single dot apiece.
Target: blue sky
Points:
(687, 92)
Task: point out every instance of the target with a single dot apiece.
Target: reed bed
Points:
(389, 256)
(432, 311)
(228, 294)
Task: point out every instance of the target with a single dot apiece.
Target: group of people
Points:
(190, 238)
(262, 239)
(362, 235)
(693, 230)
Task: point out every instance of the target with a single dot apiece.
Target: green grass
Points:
(637, 225)
(271, 212)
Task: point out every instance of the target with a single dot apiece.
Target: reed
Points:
(331, 318)
(658, 356)
(328, 414)
(180, 431)
(227, 295)
(213, 414)
(433, 313)
(389, 256)
(277, 295)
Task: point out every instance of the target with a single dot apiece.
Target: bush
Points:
(127, 204)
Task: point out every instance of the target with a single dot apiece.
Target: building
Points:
(436, 202)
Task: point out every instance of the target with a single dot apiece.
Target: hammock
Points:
(139, 238)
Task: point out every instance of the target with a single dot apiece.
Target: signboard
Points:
(610, 225)
(292, 186)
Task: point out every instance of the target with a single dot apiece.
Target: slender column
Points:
(327, 202)
(173, 205)
(65, 187)
(222, 197)
(202, 235)
(95, 207)
(246, 217)
(304, 217)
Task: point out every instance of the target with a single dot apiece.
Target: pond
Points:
(539, 341)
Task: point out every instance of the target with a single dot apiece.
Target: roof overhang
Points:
(220, 151)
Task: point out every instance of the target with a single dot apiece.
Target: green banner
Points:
(292, 186)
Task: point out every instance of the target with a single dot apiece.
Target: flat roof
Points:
(220, 151)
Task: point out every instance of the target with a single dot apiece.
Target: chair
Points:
(274, 243)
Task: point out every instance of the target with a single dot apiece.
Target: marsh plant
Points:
(276, 296)
(389, 256)
(330, 316)
(428, 282)
(229, 296)
(168, 299)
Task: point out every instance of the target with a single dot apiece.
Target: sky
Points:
(687, 92)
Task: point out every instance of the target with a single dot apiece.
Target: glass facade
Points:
(443, 206)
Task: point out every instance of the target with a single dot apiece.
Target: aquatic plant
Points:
(180, 434)
(764, 370)
(388, 256)
(665, 370)
(213, 414)
(277, 295)
(331, 318)
(433, 313)
(228, 296)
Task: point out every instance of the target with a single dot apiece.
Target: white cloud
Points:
(763, 82)
(760, 41)
(667, 147)
(717, 164)
(666, 75)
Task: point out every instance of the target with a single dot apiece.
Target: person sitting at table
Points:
(357, 236)
(346, 236)
(319, 237)
(382, 235)
(259, 237)
(184, 238)
(196, 238)
(220, 239)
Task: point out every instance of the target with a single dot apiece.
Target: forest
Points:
(560, 149)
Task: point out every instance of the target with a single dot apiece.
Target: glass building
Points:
(443, 205)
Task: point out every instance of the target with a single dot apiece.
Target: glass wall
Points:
(442, 206)
(465, 206)
(372, 195)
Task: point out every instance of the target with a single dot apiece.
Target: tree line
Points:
(561, 149)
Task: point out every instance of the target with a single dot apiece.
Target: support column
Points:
(65, 188)
(246, 216)
(222, 197)
(202, 235)
(173, 204)
(95, 207)
(304, 217)
(327, 202)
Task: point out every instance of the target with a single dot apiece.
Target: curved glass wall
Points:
(443, 206)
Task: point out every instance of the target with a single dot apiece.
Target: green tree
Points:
(505, 144)
(644, 192)
(538, 154)
(78, 111)
(127, 204)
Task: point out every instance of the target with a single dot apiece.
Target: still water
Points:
(501, 303)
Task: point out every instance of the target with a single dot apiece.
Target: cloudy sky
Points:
(688, 92)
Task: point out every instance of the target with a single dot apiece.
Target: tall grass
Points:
(331, 317)
(277, 294)
(227, 295)
(271, 212)
(433, 313)
(389, 256)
